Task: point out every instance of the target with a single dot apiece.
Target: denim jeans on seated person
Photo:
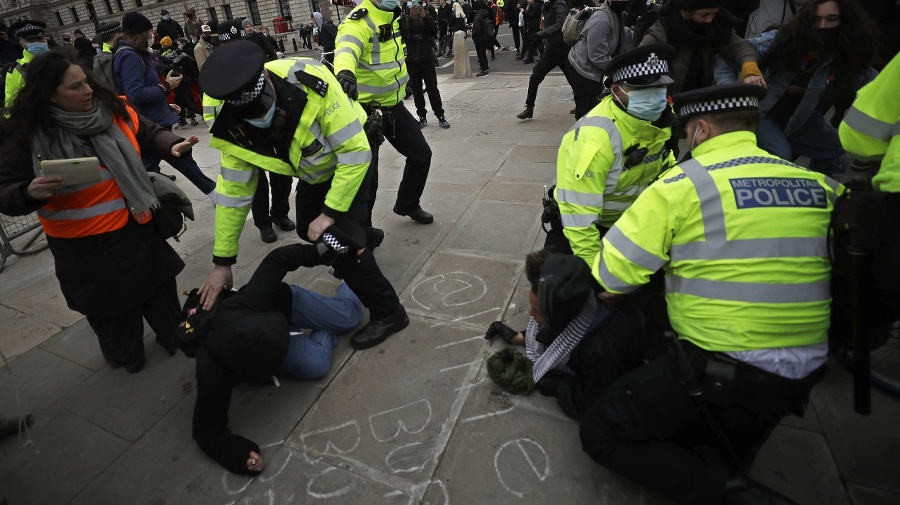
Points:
(309, 356)
(816, 140)
(188, 168)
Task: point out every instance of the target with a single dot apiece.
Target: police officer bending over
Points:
(615, 151)
(291, 117)
(741, 236)
(370, 64)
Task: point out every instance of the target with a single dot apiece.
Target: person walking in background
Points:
(257, 38)
(532, 26)
(557, 53)
(598, 43)
(457, 24)
(444, 16)
(137, 79)
(204, 47)
(480, 35)
(327, 38)
(193, 25)
(168, 27)
(420, 63)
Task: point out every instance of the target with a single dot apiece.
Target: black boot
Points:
(528, 113)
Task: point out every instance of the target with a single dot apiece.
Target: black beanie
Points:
(690, 5)
(564, 285)
(135, 22)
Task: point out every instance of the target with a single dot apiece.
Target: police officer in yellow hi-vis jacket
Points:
(871, 129)
(615, 151)
(370, 64)
(741, 236)
(291, 117)
(30, 35)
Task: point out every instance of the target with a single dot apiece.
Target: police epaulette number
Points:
(359, 14)
(313, 82)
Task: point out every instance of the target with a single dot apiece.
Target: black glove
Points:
(348, 83)
(498, 329)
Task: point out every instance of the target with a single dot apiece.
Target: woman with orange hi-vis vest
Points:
(112, 264)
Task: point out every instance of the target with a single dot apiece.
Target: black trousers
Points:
(361, 273)
(587, 92)
(121, 337)
(402, 130)
(480, 50)
(647, 428)
(281, 191)
(515, 33)
(550, 59)
(419, 72)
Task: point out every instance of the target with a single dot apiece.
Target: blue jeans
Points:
(188, 167)
(309, 356)
(816, 139)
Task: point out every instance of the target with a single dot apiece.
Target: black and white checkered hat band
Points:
(334, 243)
(110, 31)
(232, 33)
(640, 70)
(719, 105)
(29, 28)
(248, 96)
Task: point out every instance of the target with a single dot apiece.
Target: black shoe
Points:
(743, 491)
(528, 113)
(573, 111)
(376, 238)
(267, 235)
(423, 122)
(482, 73)
(135, 367)
(171, 177)
(377, 331)
(443, 122)
(418, 215)
(284, 223)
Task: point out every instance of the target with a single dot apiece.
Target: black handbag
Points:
(174, 208)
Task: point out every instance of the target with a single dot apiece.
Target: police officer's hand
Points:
(755, 79)
(318, 227)
(219, 279)
(348, 83)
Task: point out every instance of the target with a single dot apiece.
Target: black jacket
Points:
(554, 15)
(481, 16)
(533, 18)
(419, 47)
(170, 29)
(260, 40)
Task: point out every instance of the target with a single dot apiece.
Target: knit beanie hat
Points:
(246, 23)
(166, 41)
(564, 284)
(134, 23)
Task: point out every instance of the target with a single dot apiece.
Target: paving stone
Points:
(545, 138)
(507, 234)
(511, 192)
(406, 247)
(448, 202)
(524, 450)
(78, 344)
(538, 174)
(799, 465)
(40, 377)
(20, 332)
(456, 175)
(129, 404)
(389, 414)
(866, 448)
(534, 154)
(72, 452)
(460, 288)
(518, 311)
(42, 297)
(481, 156)
(508, 134)
(167, 467)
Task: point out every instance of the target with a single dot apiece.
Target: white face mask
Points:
(150, 40)
(694, 139)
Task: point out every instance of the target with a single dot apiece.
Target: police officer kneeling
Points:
(741, 236)
(291, 117)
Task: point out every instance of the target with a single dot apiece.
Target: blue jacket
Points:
(136, 78)
(724, 72)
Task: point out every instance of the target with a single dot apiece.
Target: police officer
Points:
(871, 129)
(30, 34)
(291, 117)
(741, 236)
(369, 62)
(107, 31)
(614, 151)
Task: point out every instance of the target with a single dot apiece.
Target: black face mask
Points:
(829, 36)
(207, 37)
(698, 28)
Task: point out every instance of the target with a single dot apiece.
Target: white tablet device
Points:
(73, 170)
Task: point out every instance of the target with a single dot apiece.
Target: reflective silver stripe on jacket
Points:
(633, 252)
(344, 134)
(315, 176)
(381, 90)
(233, 175)
(612, 282)
(753, 292)
(579, 198)
(233, 201)
(354, 158)
(85, 213)
(578, 220)
(868, 125)
(374, 67)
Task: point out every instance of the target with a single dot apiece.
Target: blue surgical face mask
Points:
(166, 18)
(265, 121)
(36, 48)
(388, 5)
(647, 104)
(409, 5)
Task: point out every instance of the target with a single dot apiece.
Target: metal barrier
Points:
(13, 227)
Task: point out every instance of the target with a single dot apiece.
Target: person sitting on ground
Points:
(273, 311)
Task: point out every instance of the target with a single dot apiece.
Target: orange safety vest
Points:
(94, 208)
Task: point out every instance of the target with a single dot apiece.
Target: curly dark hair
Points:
(30, 110)
(855, 51)
(534, 262)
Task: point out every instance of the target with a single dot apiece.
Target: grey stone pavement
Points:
(414, 420)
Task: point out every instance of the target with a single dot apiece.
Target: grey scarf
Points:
(556, 355)
(111, 145)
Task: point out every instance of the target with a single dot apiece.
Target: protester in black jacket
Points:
(532, 26)
(479, 37)
(168, 27)
(420, 65)
(557, 53)
(444, 16)
(258, 39)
